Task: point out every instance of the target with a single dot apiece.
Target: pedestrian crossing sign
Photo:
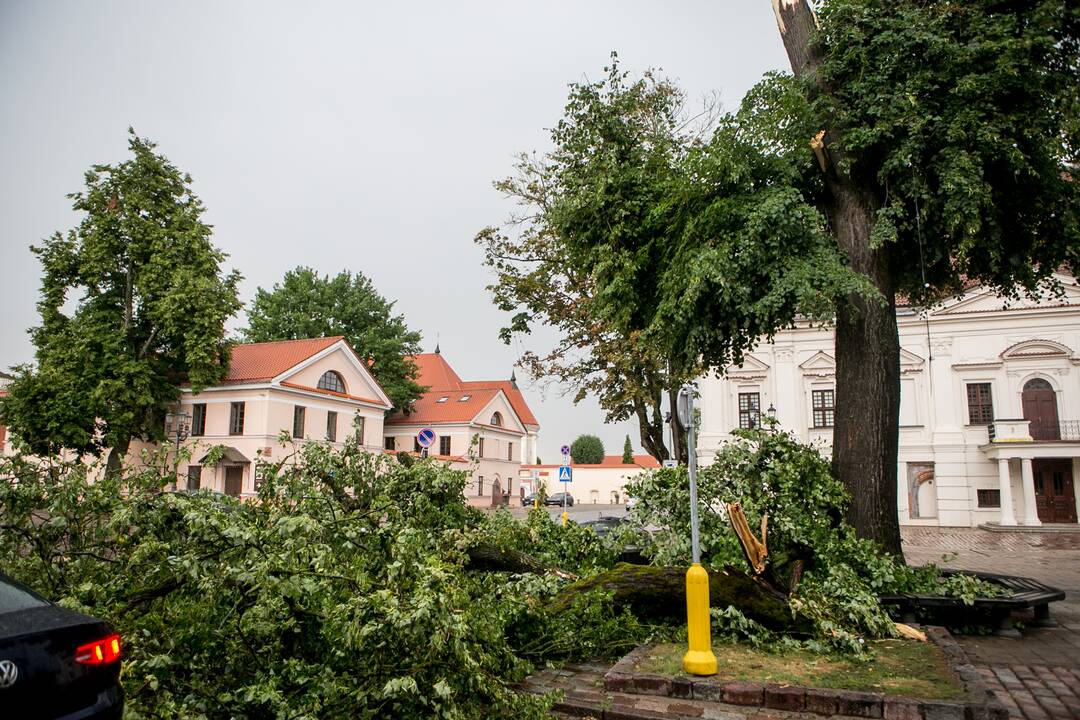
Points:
(565, 473)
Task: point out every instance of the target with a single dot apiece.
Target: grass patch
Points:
(900, 667)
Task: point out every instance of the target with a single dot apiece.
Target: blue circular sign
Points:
(426, 437)
(565, 449)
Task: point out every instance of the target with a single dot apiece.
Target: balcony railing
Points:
(1064, 430)
(1022, 430)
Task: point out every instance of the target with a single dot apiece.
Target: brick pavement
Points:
(1036, 677)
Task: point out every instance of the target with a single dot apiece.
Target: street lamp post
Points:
(177, 426)
(699, 658)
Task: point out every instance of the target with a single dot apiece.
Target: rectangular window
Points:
(331, 426)
(198, 419)
(359, 425)
(444, 445)
(749, 409)
(824, 402)
(980, 404)
(388, 442)
(480, 449)
(989, 498)
(510, 451)
(194, 476)
(236, 418)
(480, 486)
(298, 421)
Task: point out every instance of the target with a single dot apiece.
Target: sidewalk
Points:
(1036, 677)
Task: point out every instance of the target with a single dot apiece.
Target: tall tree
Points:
(920, 145)
(150, 306)
(627, 452)
(539, 280)
(305, 304)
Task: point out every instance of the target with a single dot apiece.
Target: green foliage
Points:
(150, 306)
(306, 305)
(627, 452)
(770, 473)
(587, 450)
(338, 592)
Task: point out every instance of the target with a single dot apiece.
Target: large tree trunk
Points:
(651, 430)
(116, 457)
(866, 432)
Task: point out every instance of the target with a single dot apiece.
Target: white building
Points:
(594, 484)
(989, 413)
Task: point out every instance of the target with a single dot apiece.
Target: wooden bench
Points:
(1022, 593)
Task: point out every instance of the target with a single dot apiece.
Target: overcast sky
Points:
(349, 135)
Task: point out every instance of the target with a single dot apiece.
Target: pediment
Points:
(751, 368)
(1036, 348)
(820, 364)
(910, 362)
(983, 300)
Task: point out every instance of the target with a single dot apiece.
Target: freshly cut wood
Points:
(910, 632)
(755, 550)
(659, 593)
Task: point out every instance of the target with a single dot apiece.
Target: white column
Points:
(1027, 480)
(1005, 486)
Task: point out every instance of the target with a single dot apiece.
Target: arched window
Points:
(1038, 384)
(496, 419)
(332, 381)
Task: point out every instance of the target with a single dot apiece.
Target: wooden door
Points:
(1055, 496)
(234, 480)
(1040, 410)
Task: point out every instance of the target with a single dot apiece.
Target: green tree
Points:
(306, 305)
(919, 146)
(627, 452)
(150, 309)
(587, 450)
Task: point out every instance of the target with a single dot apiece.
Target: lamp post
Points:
(177, 426)
(699, 658)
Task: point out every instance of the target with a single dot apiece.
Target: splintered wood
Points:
(756, 550)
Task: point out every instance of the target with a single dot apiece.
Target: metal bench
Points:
(1023, 593)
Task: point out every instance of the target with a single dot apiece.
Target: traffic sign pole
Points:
(566, 464)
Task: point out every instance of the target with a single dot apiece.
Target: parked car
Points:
(557, 499)
(54, 662)
(602, 526)
(529, 500)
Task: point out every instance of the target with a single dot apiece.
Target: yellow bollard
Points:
(699, 659)
(566, 517)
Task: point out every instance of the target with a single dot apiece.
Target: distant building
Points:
(989, 411)
(4, 380)
(312, 390)
(594, 484)
(483, 426)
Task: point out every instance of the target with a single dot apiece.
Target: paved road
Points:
(1037, 677)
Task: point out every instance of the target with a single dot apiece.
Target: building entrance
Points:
(1055, 496)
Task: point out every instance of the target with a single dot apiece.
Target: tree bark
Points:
(659, 593)
(651, 431)
(116, 457)
(866, 431)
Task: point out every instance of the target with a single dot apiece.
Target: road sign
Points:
(565, 450)
(671, 463)
(566, 473)
(683, 404)
(426, 437)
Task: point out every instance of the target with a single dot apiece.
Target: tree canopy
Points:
(587, 450)
(918, 146)
(305, 304)
(627, 452)
(150, 306)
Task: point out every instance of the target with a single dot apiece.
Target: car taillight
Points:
(99, 652)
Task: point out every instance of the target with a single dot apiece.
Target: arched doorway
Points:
(1040, 410)
(922, 496)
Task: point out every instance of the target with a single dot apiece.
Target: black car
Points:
(54, 662)
(557, 499)
(602, 526)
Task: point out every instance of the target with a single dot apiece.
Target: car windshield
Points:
(13, 597)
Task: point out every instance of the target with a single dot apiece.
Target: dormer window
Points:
(332, 381)
(497, 420)
(443, 399)
(464, 398)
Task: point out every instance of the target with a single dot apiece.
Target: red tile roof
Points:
(611, 461)
(259, 362)
(439, 377)
(459, 406)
